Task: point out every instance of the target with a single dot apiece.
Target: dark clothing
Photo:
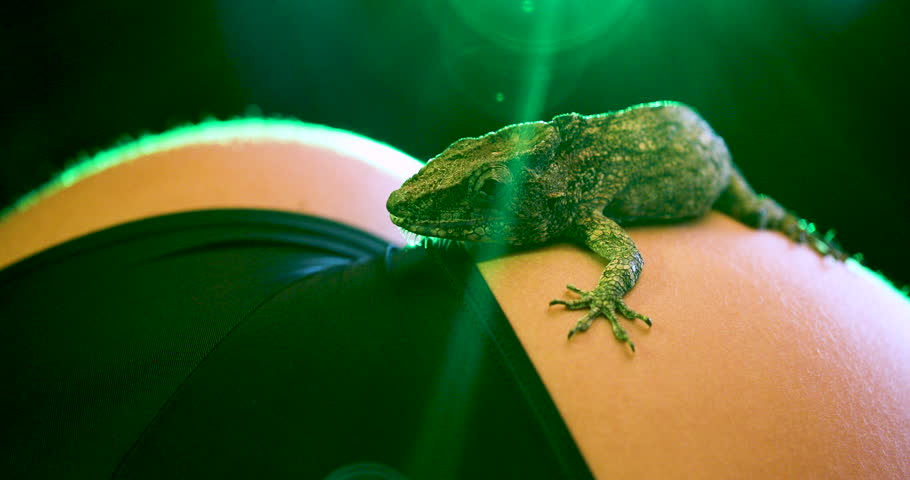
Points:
(261, 344)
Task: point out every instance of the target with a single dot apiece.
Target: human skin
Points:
(765, 360)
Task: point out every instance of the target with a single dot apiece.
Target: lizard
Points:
(581, 178)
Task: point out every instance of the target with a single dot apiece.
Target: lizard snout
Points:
(396, 203)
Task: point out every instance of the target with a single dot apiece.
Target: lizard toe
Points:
(585, 323)
(627, 312)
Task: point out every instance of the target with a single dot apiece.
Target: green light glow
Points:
(451, 403)
(499, 82)
(533, 52)
(575, 22)
(537, 76)
(806, 226)
(376, 154)
(854, 264)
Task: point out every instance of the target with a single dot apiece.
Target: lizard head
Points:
(502, 187)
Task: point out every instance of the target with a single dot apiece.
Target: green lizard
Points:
(581, 177)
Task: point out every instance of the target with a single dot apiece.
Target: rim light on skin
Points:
(377, 154)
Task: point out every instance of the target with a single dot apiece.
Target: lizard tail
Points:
(740, 202)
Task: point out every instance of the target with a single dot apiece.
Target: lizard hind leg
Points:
(758, 211)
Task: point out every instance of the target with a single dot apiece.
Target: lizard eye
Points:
(492, 187)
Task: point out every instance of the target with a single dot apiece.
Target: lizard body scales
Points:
(582, 177)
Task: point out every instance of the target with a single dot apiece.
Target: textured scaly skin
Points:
(582, 177)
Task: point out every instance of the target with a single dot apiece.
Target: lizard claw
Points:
(601, 303)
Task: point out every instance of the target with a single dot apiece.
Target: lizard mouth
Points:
(451, 229)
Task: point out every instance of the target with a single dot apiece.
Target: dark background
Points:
(807, 93)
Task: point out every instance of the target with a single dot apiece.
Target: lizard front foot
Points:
(601, 302)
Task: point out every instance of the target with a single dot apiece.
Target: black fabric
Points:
(246, 343)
